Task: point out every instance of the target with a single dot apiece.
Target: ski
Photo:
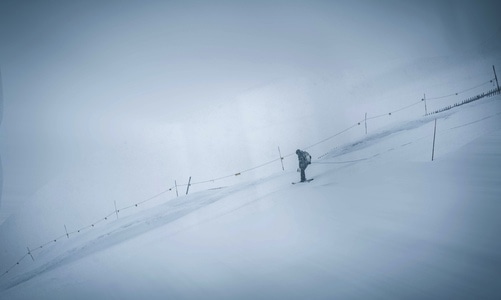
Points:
(307, 180)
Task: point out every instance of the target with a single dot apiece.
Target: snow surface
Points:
(380, 221)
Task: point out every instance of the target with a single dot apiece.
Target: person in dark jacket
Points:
(304, 160)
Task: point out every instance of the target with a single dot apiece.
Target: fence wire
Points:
(390, 113)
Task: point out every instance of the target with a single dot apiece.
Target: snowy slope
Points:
(379, 221)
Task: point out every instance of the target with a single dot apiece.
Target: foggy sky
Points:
(78, 73)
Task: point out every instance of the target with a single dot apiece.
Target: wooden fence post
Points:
(434, 134)
(425, 108)
(177, 194)
(365, 123)
(281, 158)
(116, 210)
(495, 76)
(188, 187)
(29, 252)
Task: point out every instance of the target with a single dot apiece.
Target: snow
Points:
(380, 221)
(108, 107)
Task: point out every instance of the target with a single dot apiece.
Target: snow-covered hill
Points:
(380, 220)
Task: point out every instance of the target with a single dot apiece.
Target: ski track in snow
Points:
(171, 211)
(136, 225)
(372, 139)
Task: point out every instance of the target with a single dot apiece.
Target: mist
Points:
(119, 99)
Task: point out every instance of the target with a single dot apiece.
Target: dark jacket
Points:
(304, 159)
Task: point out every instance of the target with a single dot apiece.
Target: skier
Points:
(304, 160)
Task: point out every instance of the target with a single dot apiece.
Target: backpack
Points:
(307, 156)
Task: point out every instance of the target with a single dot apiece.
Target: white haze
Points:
(109, 103)
(130, 96)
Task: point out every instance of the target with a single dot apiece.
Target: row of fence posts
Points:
(435, 125)
(281, 158)
(187, 187)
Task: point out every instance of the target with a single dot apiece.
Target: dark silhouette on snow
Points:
(304, 160)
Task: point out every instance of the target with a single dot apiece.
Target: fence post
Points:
(65, 229)
(281, 158)
(495, 76)
(116, 211)
(175, 183)
(29, 252)
(365, 123)
(425, 108)
(188, 187)
(434, 134)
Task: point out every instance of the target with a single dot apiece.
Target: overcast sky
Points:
(66, 64)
